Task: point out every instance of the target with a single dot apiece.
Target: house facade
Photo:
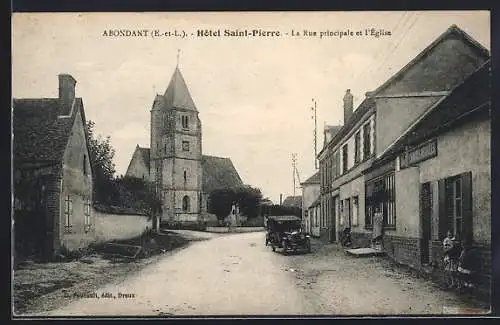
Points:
(52, 174)
(441, 168)
(349, 186)
(310, 194)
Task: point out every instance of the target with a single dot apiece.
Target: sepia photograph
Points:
(251, 164)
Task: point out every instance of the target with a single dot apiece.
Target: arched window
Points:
(185, 203)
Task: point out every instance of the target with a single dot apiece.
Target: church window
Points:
(185, 145)
(185, 203)
(185, 176)
(185, 122)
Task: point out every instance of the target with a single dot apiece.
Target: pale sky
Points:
(253, 94)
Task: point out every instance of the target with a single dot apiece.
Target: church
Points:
(175, 163)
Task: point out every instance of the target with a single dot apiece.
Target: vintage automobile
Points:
(285, 232)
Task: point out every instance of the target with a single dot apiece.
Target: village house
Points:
(182, 175)
(441, 166)
(52, 174)
(347, 183)
(310, 194)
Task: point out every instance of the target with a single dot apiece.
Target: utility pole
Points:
(314, 117)
(294, 164)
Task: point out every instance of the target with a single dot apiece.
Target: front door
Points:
(348, 214)
(425, 217)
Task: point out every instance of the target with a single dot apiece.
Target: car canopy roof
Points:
(284, 218)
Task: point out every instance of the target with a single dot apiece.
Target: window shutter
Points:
(467, 206)
(442, 209)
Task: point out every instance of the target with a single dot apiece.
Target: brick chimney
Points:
(348, 105)
(66, 93)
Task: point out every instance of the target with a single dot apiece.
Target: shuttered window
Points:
(455, 206)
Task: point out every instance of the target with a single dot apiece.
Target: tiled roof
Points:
(364, 107)
(434, 75)
(145, 156)
(39, 135)
(473, 94)
(314, 179)
(293, 201)
(177, 93)
(219, 173)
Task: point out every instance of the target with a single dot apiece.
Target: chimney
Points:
(348, 105)
(66, 93)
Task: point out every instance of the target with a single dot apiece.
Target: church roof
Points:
(39, 135)
(145, 155)
(177, 94)
(219, 173)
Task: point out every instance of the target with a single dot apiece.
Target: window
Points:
(454, 206)
(337, 163)
(344, 158)
(185, 176)
(185, 145)
(68, 211)
(357, 147)
(380, 194)
(185, 122)
(86, 212)
(84, 164)
(366, 141)
(355, 210)
(185, 203)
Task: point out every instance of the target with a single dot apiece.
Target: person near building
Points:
(451, 254)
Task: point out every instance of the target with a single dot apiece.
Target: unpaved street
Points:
(237, 275)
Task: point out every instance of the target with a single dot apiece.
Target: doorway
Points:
(425, 218)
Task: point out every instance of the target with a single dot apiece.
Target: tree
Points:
(248, 199)
(103, 169)
(221, 201)
(138, 194)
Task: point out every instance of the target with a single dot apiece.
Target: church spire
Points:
(178, 55)
(177, 94)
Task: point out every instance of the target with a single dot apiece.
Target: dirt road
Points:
(237, 275)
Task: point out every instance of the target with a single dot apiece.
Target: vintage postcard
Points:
(251, 163)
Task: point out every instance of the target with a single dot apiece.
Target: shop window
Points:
(380, 194)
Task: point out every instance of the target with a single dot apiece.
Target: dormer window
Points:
(185, 122)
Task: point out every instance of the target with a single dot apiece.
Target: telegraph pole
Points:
(294, 164)
(314, 117)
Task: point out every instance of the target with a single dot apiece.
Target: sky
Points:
(253, 94)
